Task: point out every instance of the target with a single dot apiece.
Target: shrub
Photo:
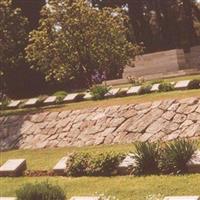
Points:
(175, 156)
(145, 89)
(147, 157)
(98, 92)
(60, 95)
(194, 84)
(40, 191)
(95, 164)
(135, 80)
(165, 87)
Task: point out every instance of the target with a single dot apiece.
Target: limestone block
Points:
(13, 167)
(182, 84)
(85, 198)
(8, 198)
(31, 102)
(14, 104)
(113, 92)
(87, 96)
(182, 198)
(194, 164)
(60, 167)
(134, 90)
(50, 100)
(155, 88)
(71, 97)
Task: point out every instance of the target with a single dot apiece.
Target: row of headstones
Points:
(16, 167)
(87, 96)
(99, 198)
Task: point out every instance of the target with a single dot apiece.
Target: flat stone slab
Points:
(14, 104)
(182, 84)
(155, 88)
(71, 97)
(113, 92)
(60, 167)
(85, 198)
(87, 96)
(134, 90)
(51, 99)
(8, 198)
(31, 102)
(13, 167)
(182, 198)
(194, 163)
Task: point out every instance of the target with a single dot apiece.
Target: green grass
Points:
(124, 188)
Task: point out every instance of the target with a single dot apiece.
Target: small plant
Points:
(60, 96)
(98, 92)
(147, 157)
(194, 84)
(135, 80)
(165, 87)
(40, 191)
(93, 164)
(145, 89)
(155, 197)
(175, 156)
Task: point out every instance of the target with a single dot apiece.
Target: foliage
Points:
(147, 157)
(135, 80)
(194, 84)
(165, 87)
(155, 197)
(175, 156)
(13, 38)
(74, 39)
(40, 191)
(93, 164)
(145, 89)
(60, 95)
(98, 91)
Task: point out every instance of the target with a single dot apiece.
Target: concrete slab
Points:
(85, 198)
(155, 88)
(194, 163)
(13, 167)
(182, 198)
(14, 104)
(182, 84)
(31, 102)
(71, 97)
(60, 167)
(50, 99)
(134, 90)
(112, 92)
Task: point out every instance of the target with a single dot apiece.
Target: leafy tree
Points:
(74, 40)
(13, 37)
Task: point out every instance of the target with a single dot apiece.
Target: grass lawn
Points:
(124, 188)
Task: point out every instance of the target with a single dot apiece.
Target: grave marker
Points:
(51, 99)
(31, 102)
(182, 198)
(113, 92)
(71, 97)
(134, 90)
(194, 163)
(87, 96)
(13, 167)
(155, 88)
(182, 84)
(60, 167)
(8, 198)
(85, 198)
(14, 104)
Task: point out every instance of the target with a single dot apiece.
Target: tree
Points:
(13, 37)
(74, 40)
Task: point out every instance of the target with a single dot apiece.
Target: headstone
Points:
(60, 167)
(31, 102)
(85, 198)
(14, 104)
(87, 96)
(127, 165)
(155, 88)
(194, 163)
(182, 84)
(134, 90)
(71, 97)
(51, 99)
(113, 92)
(182, 198)
(8, 198)
(13, 167)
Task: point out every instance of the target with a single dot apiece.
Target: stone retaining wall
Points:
(160, 120)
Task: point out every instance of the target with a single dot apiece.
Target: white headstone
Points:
(85, 198)
(87, 96)
(32, 102)
(8, 198)
(60, 167)
(134, 90)
(182, 198)
(14, 104)
(182, 84)
(51, 99)
(194, 163)
(113, 92)
(155, 88)
(13, 167)
(71, 97)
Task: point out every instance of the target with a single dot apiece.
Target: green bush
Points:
(147, 158)
(145, 89)
(98, 91)
(60, 95)
(93, 164)
(40, 191)
(165, 87)
(194, 84)
(175, 156)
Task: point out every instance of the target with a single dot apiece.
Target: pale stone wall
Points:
(160, 120)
